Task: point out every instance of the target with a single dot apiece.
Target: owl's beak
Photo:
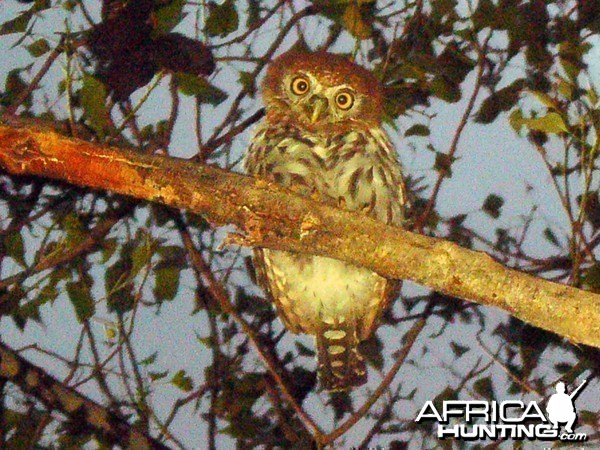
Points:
(317, 106)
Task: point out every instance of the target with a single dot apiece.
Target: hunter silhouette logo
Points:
(560, 407)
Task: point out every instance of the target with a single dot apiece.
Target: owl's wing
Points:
(287, 158)
(371, 322)
(369, 179)
(269, 286)
(369, 176)
(267, 158)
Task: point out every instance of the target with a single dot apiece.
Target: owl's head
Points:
(322, 92)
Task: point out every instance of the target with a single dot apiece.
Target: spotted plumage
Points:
(322, 137)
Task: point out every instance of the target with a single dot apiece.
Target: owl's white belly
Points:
(314, 289)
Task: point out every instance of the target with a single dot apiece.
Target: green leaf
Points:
(590, 203)
(13, 245)
(16, 25)
(372, 350)
(565, 89)
(501, 100)
(593, 96)
(418, 130)
(303, 350)
(591, 278)
(222, 19)
(442, 7)
(445, 90)
(516, 120)
(248, 82)
(353, 21)
(93, 101)
(76, 231)
(189, 84)
(167, 283)
(70, 5)
(550, 123)
(48, 293)
(118, 282)
(109, 246)
(168, 17)
(341, 403)
(492, 205)
(149, 360)
(253, 14)
(484, 15)
(81, 299)
(484, 387)
(140, 256)
(38, 48)
(443, 164)
(155, 376)
(31, 311)
(454, 65)
(446, 395)
(12, 298)
(207, 341)
(551, 237)
(14, 86)
(458, 349)
(41, 5)
(545, 99)
(182, 381)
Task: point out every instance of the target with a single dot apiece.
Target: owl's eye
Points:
(300, 85)
(344, 100)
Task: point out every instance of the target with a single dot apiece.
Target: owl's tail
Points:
(341, 366)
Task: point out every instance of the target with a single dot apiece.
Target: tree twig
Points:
(56, 396)
(221, 296)
(410, 338)
(457, 135)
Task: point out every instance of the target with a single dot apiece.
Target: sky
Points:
(492, 159)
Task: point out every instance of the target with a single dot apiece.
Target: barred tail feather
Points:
(341, 366)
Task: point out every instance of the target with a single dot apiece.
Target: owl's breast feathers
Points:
(358, 169)
(338, 302)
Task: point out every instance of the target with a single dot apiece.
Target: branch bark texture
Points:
(273, 217)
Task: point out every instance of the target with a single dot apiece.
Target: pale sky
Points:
(492, 159)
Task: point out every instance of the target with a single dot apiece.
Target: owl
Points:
(322, 137)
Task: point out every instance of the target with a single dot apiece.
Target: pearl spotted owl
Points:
(322, 138)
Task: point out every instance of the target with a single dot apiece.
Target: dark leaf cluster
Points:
(130, 49)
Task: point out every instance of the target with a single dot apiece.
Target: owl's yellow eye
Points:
(344, 100)
(300, 85)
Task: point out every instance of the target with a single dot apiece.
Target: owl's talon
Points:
(262, 183)
(315, 196)
(236, 239)
(309, 225)
(366, 210)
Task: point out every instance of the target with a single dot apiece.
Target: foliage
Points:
(161, 322)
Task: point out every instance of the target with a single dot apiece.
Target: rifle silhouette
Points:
(574, 393)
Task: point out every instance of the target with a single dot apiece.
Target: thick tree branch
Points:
(56, 396)
(273, 217)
